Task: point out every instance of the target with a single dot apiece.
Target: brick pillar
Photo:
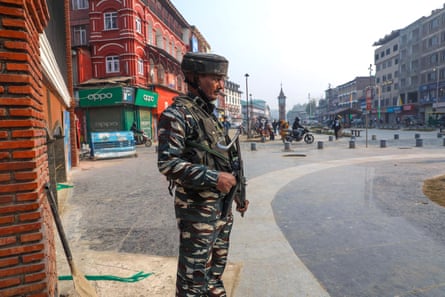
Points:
(27, 248)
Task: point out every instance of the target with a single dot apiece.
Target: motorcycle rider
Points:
(297, 128)
(138, 134)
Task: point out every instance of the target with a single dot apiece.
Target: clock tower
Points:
(281, 105)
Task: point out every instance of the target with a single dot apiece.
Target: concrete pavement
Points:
(262, 262)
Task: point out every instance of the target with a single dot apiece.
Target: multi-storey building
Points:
(231, 105)
(416, 84)
(432, 64)
(410, 74)
(127, 61)
(350, 99)
(386, 106)
(409, 64)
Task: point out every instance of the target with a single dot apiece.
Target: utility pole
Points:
(368, 101)
(247, 106)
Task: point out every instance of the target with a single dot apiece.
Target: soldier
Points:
(200, 173)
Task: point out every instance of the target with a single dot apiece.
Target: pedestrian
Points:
(336, 125)
(200, 176)
(275, 126)
(226, 125)
(284, 126)
(271, 132)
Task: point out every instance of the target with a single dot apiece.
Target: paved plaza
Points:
(331, 221)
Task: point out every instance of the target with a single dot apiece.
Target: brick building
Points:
(36, 111)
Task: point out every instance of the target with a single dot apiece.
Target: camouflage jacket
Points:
(187, 132)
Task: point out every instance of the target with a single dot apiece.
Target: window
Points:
(110, 19)
(112, 63)
(395, 47)
(435, 23)
(159, 39)
(141, 66)
(79, 35)
(138, 25)
(150, 34)
(80, 4)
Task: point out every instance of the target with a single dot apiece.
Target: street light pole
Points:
(437, 87)
(247, 105)
(379, 89)
(370, 99)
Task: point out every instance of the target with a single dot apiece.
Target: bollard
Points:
(382, 142)
(396, 136)
(444, 142)
(263, 139)
(417, 136)
(351, 144)
(286, 146)
(253, 146)
(320, 145)
(374, 137)
(419, 142)
(331, 138)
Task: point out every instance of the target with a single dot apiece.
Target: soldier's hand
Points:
(242, 209)
(225, 182)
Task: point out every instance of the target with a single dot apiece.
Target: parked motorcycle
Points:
(141, 137)
(298, 135)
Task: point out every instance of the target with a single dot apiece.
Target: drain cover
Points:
(294, 155)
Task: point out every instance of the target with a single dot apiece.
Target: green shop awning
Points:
(105, 96)
(146, 98)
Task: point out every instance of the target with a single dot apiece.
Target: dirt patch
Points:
(434, 189)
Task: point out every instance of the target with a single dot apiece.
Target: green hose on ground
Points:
(134, 278)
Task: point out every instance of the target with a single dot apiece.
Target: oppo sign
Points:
(148, 98)
(99, 97)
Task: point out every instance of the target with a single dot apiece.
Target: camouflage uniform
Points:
(204, 216)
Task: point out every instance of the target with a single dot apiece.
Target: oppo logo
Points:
(101, 96)
(148, 98)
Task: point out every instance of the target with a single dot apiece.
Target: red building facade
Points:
(133, 45)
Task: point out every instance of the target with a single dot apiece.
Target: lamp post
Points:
(368, 102)
(437, 86)
(379, 89)
(247, 105)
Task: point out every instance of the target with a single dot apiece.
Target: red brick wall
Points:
(27, 252)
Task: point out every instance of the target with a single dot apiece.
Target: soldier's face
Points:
(211, 85)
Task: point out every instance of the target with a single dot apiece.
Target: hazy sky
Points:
(303, 45)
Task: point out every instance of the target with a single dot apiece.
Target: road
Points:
(356, 218)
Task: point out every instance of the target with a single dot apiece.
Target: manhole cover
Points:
(294, 155)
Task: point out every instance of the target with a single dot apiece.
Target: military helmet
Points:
(204, 63)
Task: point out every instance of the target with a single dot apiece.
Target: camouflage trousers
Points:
(203, 252)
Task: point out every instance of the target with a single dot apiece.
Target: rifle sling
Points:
(207, 149)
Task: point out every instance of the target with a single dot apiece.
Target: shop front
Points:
(106, 110)
(146, 101)
(165, 98)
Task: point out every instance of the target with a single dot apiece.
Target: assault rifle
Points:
(238, 191)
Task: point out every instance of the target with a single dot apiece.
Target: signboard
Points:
(146, 98)
(103, 97)
(112, 144)
(368, 99)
